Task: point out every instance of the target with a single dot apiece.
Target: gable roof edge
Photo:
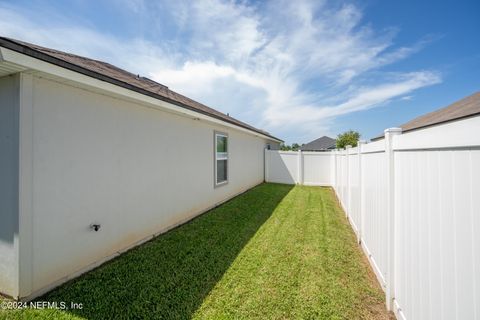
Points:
(25, 50)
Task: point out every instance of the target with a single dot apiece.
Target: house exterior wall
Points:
(274, 145)
(134, 170)
(9, 101)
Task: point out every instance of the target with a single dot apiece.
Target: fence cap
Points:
(348, 147)
(393, 130)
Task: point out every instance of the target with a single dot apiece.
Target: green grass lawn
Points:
(275, 252)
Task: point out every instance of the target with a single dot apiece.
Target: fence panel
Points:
(317, 168)
(338, 174)
(290, 167)
(437, 269)
(344, 181)
(353, 206)
(281, 166)
(374, 235)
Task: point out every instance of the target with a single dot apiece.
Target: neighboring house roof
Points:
(466, 107)
(114, 75)
(323, 143)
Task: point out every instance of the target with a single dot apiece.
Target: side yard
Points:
(275, 252)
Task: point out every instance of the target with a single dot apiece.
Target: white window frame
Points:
(224, 156)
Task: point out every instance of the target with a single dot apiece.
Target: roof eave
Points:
(14, 46)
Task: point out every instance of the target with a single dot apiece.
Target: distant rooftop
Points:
(320, 144)
(464, 108)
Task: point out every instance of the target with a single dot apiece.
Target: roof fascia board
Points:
(52, 69)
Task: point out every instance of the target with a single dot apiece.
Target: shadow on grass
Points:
(170, 276)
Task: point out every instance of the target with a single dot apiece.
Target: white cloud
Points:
(290, 67)
(230, 29)
(136, 56)
(302, 42)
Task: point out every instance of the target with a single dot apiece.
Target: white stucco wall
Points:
(132, 169)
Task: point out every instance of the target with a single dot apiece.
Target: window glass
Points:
(221, 158)
(221, 143)
(221, 171)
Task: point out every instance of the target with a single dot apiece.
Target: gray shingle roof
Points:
(112, 74)
(319, 144)
(466, 107)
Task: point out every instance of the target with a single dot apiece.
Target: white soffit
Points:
(7, 68)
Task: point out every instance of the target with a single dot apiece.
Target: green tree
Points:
(348, 138)
(286, 147)
(295, 146)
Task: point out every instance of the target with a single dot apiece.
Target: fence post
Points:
(334, 174)
(266, 164)
(348, 204)
(341, 181)
(339, 173)
(361, 191)
(300, 167)
(389, 157)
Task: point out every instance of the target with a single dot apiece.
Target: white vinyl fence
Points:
(291, 167)
(413, 200)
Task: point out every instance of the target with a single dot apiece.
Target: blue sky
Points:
(299, 69)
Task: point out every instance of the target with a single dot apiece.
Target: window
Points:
(221, 158)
